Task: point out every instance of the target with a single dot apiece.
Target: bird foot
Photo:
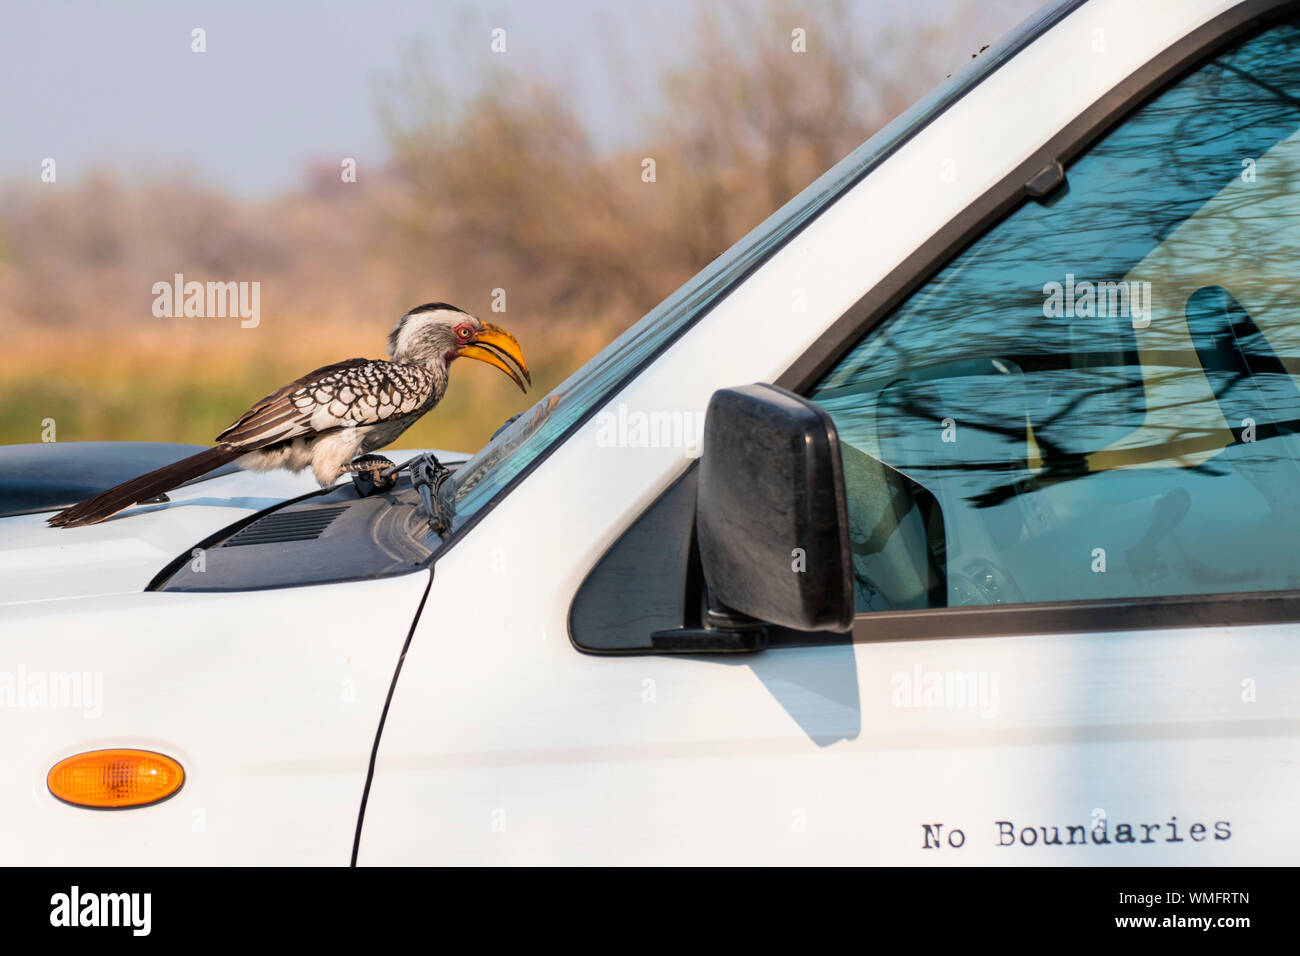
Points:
(371, 474)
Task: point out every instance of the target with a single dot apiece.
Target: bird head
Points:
(436, 333)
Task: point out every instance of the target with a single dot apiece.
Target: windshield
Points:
(529, 437)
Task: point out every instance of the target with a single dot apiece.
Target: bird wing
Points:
(355, 391)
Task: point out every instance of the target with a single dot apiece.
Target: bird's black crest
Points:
(434, 307)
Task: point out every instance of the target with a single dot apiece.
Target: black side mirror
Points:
(771, 518)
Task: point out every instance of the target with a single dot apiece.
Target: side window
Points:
(1100, 398)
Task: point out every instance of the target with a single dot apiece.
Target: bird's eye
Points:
(464, 331)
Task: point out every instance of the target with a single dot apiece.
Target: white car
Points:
(988, 551)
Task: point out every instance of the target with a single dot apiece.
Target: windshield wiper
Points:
(427, 477)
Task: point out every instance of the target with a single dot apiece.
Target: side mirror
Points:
(771, 518)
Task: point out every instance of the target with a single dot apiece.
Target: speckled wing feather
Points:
(352, 392)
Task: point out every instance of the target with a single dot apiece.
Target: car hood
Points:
(125, 552)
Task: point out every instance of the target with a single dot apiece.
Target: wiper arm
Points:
(428, 475)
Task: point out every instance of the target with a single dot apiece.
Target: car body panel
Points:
(510, 747)
(269, 700)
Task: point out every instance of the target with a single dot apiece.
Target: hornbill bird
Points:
(330, 419)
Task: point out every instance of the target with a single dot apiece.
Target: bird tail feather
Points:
(143, 488)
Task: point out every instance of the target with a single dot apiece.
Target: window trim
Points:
(1032, 178)
(1235, 609)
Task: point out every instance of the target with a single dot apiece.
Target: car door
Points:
(530, 724)
(1085, 650)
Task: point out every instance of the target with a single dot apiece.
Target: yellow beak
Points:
(498, 347)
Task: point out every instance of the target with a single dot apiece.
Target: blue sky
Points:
(286, 82)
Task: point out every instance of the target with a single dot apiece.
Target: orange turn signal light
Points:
(115, 779)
